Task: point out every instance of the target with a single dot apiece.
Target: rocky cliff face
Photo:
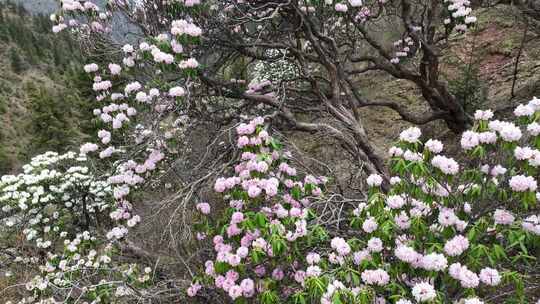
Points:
(123, 29)
(480, 69)
(37, 6)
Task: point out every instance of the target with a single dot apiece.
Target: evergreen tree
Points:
(17, 64)
(49, 122)
(20, 10)
(5, 163)
(4, 34)
(58, 59)
(38, 48)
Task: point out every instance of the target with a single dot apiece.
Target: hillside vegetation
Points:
(42, 103)
(272, 152)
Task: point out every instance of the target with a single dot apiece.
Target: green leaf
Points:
(269, 297)
(221, 267)
(275, 144)
(296, 193)
(299, 298)
(336, 299)
(260, 220)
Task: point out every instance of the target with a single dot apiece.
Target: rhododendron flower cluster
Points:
(272, 218)
(420, 233)
(403, 49)
(54, 203)
(460, 14)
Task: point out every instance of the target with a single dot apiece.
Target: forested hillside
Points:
(270, 152)
(43, 90)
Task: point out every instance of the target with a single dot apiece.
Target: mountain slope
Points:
(43, 105)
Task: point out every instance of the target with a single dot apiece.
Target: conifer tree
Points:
(49, 122)
(17, 64)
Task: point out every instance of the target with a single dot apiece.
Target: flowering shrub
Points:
(75, 223)
(444, 232)
(274, 71)
(81, 261)
(307, 48)
(61, 211)
(436, 236)
(266, 226)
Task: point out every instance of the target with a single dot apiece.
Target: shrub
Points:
(430, 238)
(468, 88)
(444, 232)
(60, 211)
